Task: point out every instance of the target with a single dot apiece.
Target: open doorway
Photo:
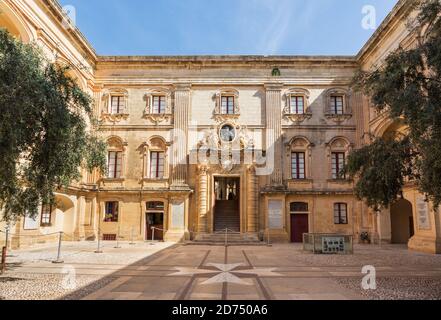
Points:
(402, 223)
(227, 206)
(154, 218)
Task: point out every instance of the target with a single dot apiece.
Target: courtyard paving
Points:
(182, 272)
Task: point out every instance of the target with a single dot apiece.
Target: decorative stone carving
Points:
(347, 110)
(218, 115)
(158, 118)
(297, 118)
(106, 113)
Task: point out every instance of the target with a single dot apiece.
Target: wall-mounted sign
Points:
(423, 217)
(333, 244)
(178, 214)
(275, 214)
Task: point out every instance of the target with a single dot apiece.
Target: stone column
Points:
(202, 199)
(274, 130)
(180, 139)
(252, 197)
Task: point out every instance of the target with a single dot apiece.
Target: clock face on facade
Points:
(227, 133)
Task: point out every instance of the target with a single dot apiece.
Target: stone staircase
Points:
(227, 216)
(233, 239)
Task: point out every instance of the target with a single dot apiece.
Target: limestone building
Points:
(198, 144)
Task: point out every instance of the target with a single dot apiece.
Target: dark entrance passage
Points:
(402, 224)
(227, 206)
(155, 219)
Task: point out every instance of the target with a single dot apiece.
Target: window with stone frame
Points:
(114, 164)
(46, 215)
(298, 166)
(227, 104)
(340, 213)
(111, 211)
(338, 160)
(337, 104)
(159, 104)
(157, 164)
(117, 104)
(297, 104)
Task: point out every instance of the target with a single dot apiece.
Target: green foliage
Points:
(406, 87)
(43, 133)
(380, 168)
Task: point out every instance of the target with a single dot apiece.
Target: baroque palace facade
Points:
(198, 144)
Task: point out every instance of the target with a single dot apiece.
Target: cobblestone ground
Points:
(31, 275)
(165, 271)
(398, 288)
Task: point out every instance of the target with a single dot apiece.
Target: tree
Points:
(44, 137)
(407, 88)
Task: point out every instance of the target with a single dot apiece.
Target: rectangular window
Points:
(296, 207)
(159, 104)
(298, 165)
(338, 164)
(227, 105)
(337, 104)
(117, 104)
(114, 164)
(111, 214)
(340, 213)
(46, 215)
(297, 105)
(157, 165)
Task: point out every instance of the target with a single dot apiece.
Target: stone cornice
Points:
(399, 12)
(55, 8)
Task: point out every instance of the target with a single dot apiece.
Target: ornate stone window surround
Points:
(149, 113)
(226, 92)
(347, 111)
(106, 111)
(297, 118)
(337, 144)
(116, 144)
(303, 145)
(155, 144)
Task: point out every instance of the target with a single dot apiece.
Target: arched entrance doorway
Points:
(402, 223)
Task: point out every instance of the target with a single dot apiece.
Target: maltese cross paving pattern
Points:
(225, 273)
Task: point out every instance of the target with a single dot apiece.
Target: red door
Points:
(299, 226)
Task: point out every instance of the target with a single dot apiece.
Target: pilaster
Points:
(274, 131)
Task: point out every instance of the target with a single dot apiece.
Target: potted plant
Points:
(364, 237)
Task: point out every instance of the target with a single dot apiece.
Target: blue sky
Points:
(200, 27)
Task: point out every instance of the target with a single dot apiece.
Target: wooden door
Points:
(299, 226)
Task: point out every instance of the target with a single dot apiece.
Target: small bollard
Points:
(131, 237)
(117, 240)
(153, 236)
(98, 250)
(60, 239)
(3, 269)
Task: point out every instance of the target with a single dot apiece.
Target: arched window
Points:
(299, 151)
(338, 150)
(115, 158)
(155, 159)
